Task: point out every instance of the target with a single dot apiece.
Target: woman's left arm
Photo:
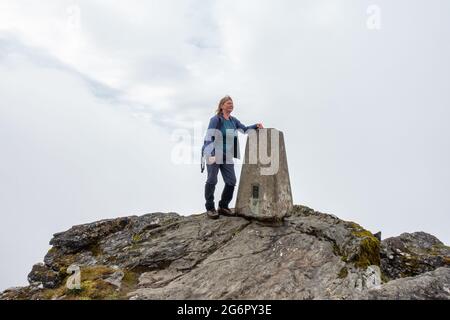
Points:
(245, 128)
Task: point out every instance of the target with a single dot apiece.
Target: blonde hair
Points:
(221, 103)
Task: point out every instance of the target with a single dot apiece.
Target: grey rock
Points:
(30, 292)
(261, 262)
(430, 285)
(308, 255)
(378, 235)
(372, 277)
(42, 274)
(116, 278)
(82, 236)
(412, 254)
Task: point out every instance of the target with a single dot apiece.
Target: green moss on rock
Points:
(136, 238)
(369, 250)
(93, 286)
(343, 273)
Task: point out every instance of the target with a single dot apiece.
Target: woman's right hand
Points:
(211, 160)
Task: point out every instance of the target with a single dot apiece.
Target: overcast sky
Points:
(93, 91)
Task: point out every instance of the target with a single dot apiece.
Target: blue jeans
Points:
(229, 177)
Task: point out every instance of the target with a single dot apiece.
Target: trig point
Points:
(264, 189)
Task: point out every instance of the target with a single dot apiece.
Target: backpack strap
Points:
(203, 160)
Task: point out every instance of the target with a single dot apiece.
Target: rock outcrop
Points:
(433, 285)
(309, 255)
(412, 254)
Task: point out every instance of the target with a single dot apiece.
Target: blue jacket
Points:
(216, 122)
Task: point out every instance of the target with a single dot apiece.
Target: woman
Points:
(215, 161)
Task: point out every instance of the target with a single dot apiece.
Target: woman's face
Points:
(228, 106)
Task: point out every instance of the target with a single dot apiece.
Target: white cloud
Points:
(69, 157)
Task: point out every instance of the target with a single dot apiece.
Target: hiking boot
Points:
(226, 212)
(212, 214)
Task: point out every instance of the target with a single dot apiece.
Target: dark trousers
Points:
(229, 177)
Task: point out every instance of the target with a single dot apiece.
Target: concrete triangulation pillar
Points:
(264, 191)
